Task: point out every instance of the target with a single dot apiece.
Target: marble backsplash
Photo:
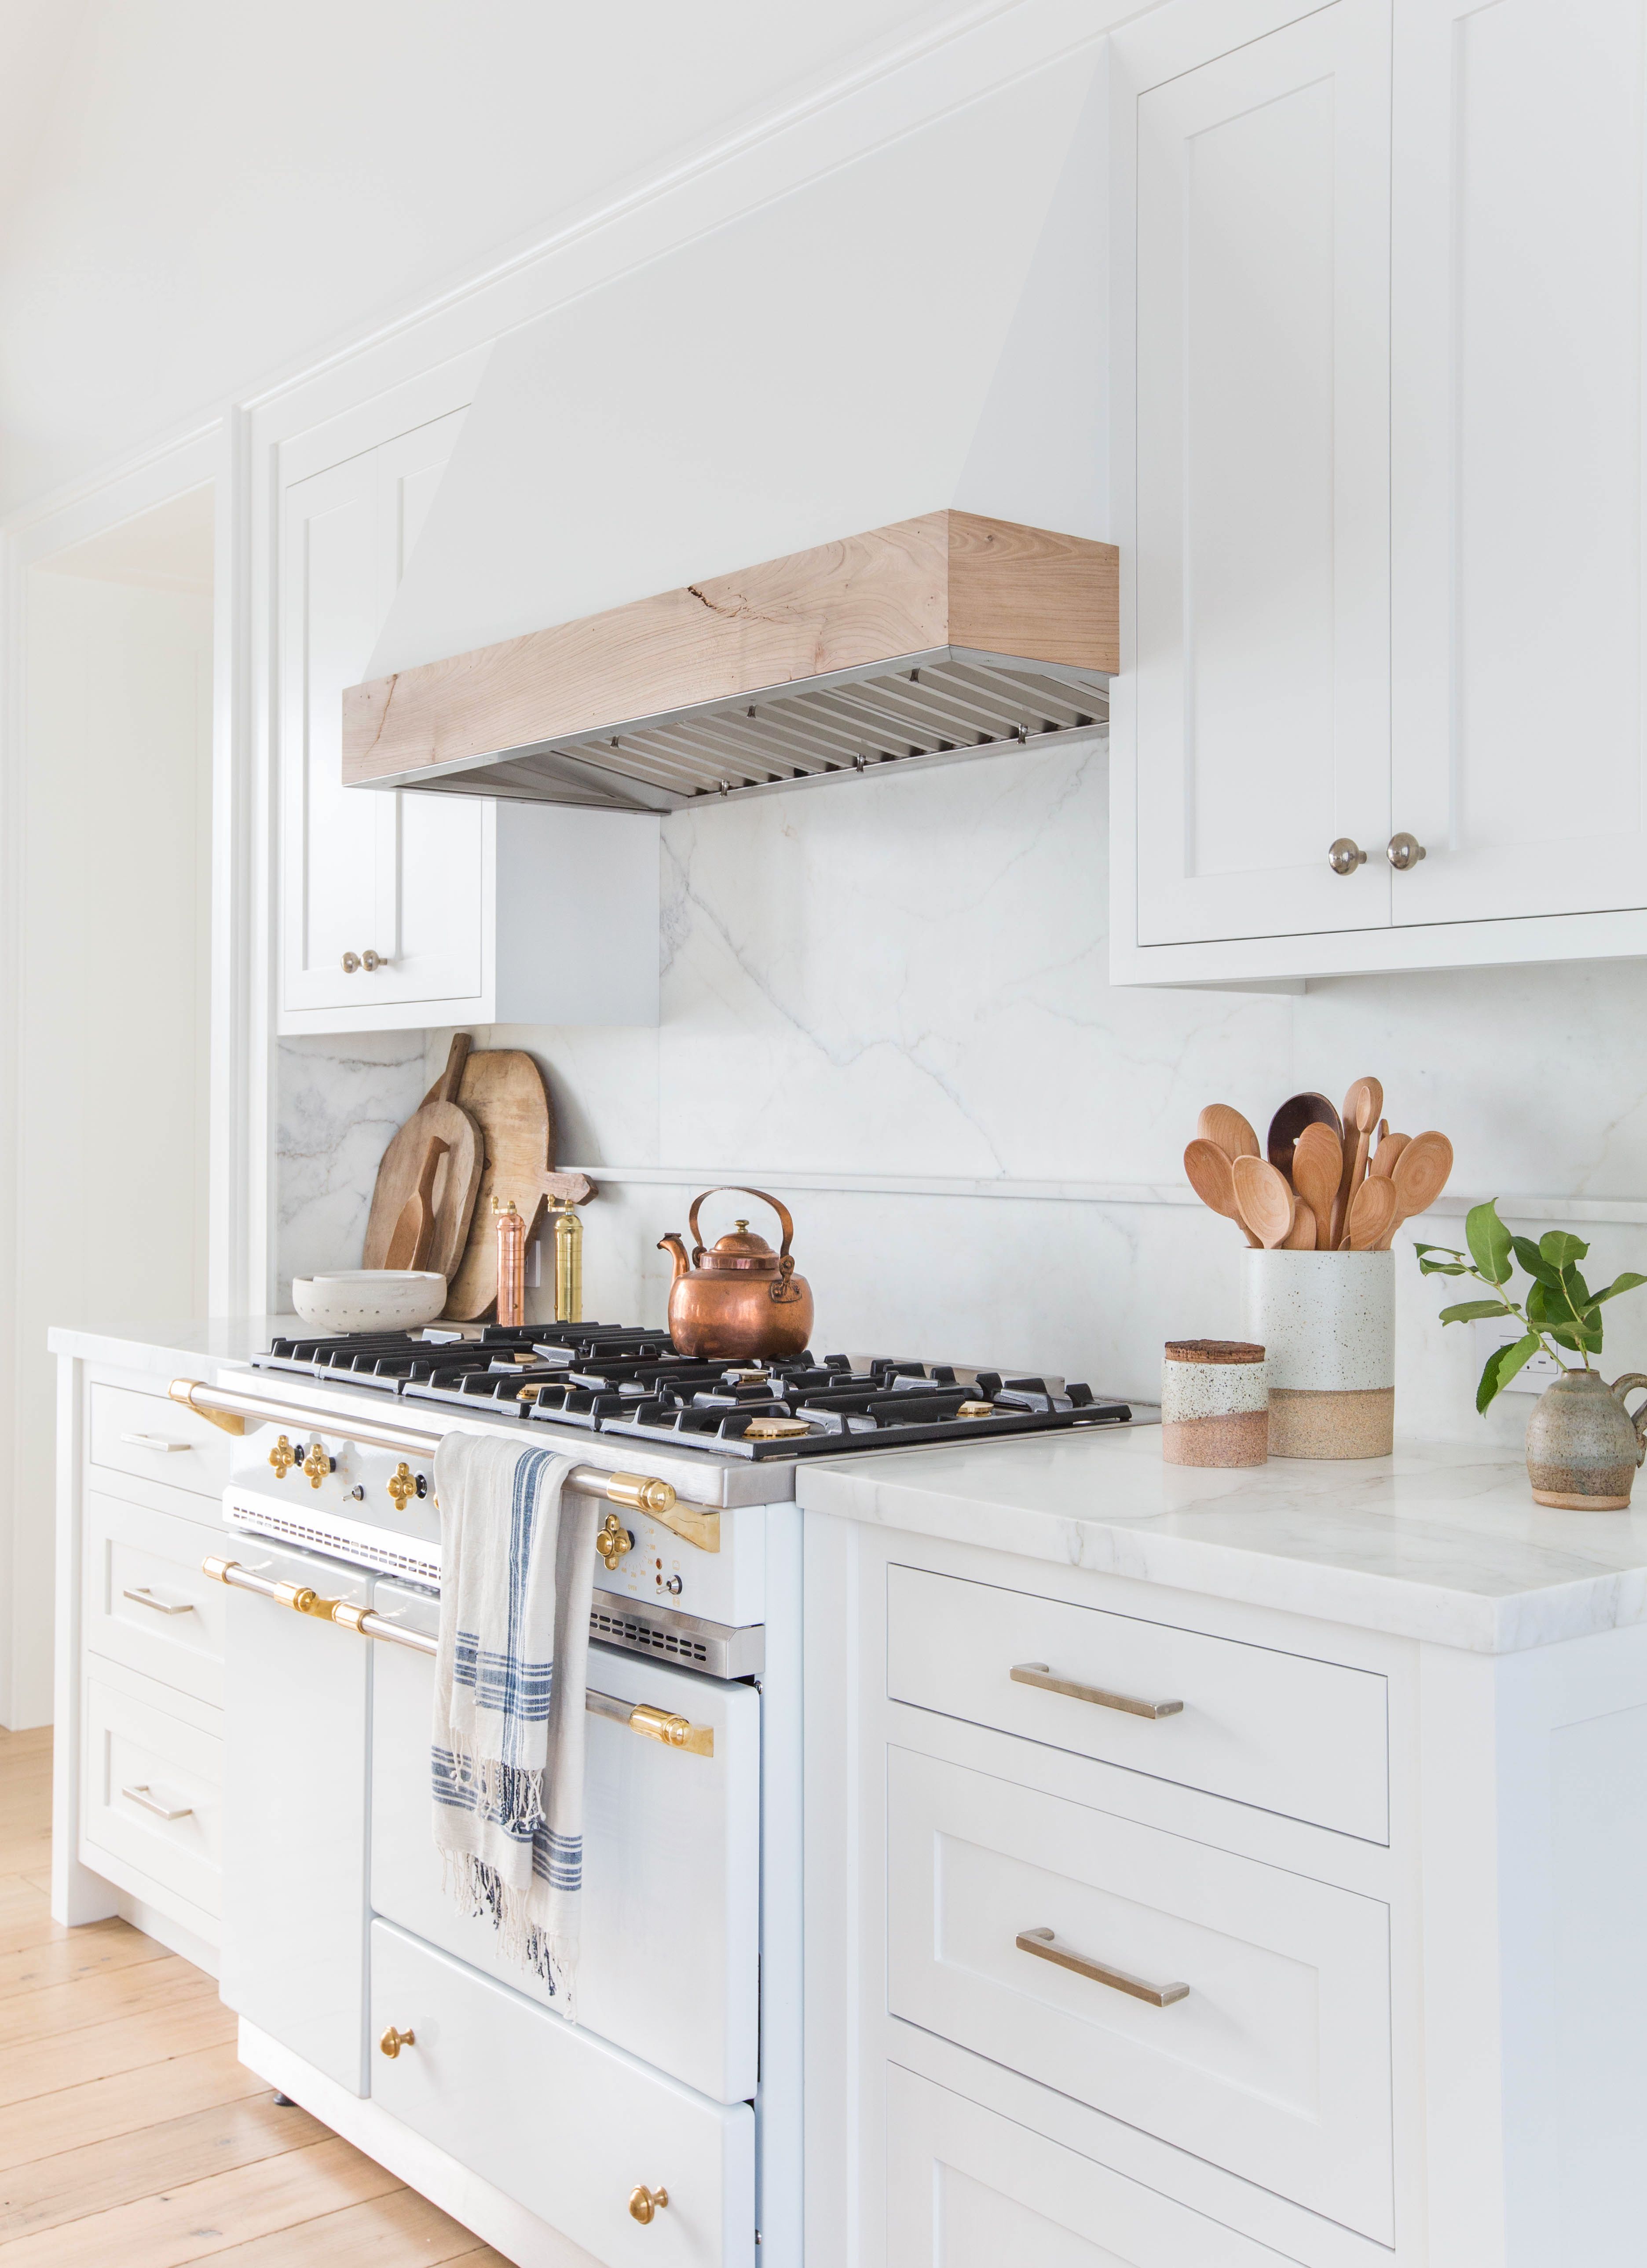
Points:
(898, 982)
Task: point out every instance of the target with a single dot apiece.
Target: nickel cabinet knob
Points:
(372, 961)
(351, 962)
(643, 2202)
(1345, 855)
(1404, 852)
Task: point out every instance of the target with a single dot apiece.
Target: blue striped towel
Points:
(517, 1578)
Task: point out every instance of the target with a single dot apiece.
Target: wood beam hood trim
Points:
(941, 637)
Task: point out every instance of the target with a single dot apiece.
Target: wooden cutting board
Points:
(457, 1183)
(502, 1089)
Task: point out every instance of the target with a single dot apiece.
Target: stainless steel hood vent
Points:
(937, 638)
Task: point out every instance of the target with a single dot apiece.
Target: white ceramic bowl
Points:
(370, 1299)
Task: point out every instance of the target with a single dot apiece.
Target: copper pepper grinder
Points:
(511, 1263)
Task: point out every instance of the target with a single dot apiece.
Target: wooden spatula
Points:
(1207, 1168)
(1385, 1156)
(1221, 1123)
(1264, 1198)
(1420, 1176)
(1372, 1212)
(1318, 1167)
(1301, 1236)
(414, 1230)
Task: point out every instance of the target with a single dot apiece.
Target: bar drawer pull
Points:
(163, 1441)
(1036, 1673)
(145, 1800)
(140, 1595)
(1044, 1945)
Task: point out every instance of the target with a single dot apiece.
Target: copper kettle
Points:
(741, 1299)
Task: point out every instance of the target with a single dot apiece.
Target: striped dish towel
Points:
(518, 1575)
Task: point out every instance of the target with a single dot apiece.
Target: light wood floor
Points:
(129, 2135)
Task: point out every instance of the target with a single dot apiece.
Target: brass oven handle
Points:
(140, 1595)
(1036, 1673)
(143, 1796)
(1044, 1945)
(641, 1717)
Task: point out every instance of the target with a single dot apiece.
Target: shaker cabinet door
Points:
(1261, 686)
(1516, 322)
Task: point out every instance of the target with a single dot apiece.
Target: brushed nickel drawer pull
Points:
(1045, 1947)
(145, 1801)
(163, 1441)
(1036, 1673)
(143, 1596)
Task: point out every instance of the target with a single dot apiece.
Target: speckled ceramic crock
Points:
(1583, 1446)
(1215, 1404)
(1326, 1321)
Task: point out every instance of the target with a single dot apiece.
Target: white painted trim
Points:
(1624, 1211)
(515, 2232)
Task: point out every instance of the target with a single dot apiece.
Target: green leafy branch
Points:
(1559, 1310)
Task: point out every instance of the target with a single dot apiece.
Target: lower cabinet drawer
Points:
(570, 2128)
(968, 2189)
(146, 1602)
(1273, 2064)
(151, 1793)
(155, 1439)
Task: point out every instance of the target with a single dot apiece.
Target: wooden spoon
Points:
(1212, 1183)
(414, 1229)
(1297, 1112)
(1420, 1176)
(1317, 1166)
(1385, 1156)
(1301, 1236)
(1372, 1216)
(1265, 1200)
(1364, 1106)
(1219, 1123)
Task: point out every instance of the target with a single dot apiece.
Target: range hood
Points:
(945, 637)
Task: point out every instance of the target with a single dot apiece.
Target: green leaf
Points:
(1561, 1249)
(1544, 1309)
(1511, 1359)
(1443, 1268)
(1565, 1337)
(1575, 1288)
(1471, 1311)
(1533, 1260)
(1625, 1282)
(1488, 1240)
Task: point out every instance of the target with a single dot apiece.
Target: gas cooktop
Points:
(608, 1378)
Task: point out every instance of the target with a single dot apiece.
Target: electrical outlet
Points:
(1492, 1331)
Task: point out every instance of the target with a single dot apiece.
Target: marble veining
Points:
(1437, 1543)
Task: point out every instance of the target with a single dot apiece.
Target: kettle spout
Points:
(673, 1243)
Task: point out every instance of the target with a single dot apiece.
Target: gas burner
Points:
(611, 1378)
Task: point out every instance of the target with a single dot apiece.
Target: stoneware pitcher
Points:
(1583, 1446)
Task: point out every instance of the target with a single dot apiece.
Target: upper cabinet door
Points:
(329, 619)
(431, 849)
(1516, 295)
(1260, 698)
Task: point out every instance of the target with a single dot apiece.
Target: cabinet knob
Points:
(1345, 855)
(392, 2041)
(1404, 852)
(372, 961)
(643, 2202)
(351, 962)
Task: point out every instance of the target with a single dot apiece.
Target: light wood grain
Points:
(125, 2141)
(456, 1181)
(946, 578)
(502, 1090)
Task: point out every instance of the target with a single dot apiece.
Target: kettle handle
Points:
(1619, 1388)
(737, 1189)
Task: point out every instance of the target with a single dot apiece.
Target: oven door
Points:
(669, 1963)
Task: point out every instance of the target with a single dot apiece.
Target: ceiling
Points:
(195, 195)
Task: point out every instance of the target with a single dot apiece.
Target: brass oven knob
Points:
(317, 1464)
(401, 1485)
(643, 2202)
(392, 2041)
(281, 1457)
(612, 1541)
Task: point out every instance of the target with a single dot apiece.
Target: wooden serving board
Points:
(457, 1178)
(502, 1089)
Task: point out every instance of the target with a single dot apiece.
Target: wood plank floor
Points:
(130, 2136)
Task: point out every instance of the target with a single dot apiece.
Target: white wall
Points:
(112, 1070)
(905, 978)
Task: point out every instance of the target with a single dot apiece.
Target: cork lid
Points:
(1213, 1350)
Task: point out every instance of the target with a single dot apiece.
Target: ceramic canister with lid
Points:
(1327, 1322)
(1215, 1402)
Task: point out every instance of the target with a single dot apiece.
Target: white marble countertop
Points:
(1440, 1541)
(171, 1347)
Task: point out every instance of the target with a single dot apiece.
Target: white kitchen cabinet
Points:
(401, 910)
(1379, 406)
